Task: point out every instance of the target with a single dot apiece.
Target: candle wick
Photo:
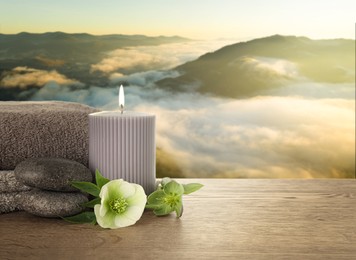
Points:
(122, 108)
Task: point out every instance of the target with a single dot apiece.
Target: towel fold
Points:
(43, 129)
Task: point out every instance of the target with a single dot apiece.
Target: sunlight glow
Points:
(194, 19)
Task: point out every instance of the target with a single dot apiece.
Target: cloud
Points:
(308, 89)
(309, 135)
(24, 77)
(92, 96)
(301, 130)
(265, 66)
(159, 57)
(125, 59)
(143, 78)
(260, 137)
(141, 88)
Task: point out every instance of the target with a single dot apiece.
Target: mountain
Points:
(239, 70)
(71, 55)
(248, 68)
(65, 51)
(78, 46)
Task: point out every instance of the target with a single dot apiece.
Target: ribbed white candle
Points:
(122, 146)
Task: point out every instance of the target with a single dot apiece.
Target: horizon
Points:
(212, 19)
(180, 36)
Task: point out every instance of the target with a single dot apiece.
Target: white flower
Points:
(122, 204)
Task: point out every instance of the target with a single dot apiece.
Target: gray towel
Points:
(43, 129)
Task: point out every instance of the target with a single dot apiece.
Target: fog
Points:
(264, 66)
(261, 137)
(163, 56)
(304, 129)
(24, 77)
(267, 136)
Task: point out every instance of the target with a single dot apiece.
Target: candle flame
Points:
(121, 99)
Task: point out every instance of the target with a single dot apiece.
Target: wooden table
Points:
(229, 218)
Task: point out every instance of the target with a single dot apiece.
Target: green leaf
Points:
(87, 187)
(100, 179)
(84, 217)
(173, 187)
(191, 187)
(92, 203)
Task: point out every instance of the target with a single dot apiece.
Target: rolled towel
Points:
(43, 129)
(9, 183)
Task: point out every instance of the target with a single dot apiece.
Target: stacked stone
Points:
(42, 186)
(10, 192)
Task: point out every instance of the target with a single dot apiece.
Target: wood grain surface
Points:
(227, 219)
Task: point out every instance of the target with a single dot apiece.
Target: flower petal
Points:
(156, 198)
(103, 208)
(179, 209)
(173, 187)
(139, 198)
(164, 209)
(127, 189)
(113, 188)
(107, 221)
(123, 221)
(134, 212)
(165, 180)
(104, 192)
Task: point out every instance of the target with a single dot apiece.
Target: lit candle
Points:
(122, 145)
(121, 99)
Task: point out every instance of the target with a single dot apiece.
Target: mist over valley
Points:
(274, 107)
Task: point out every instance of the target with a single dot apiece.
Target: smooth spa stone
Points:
(9, 183)
(53, 174)
(9, 201)
(52, 204)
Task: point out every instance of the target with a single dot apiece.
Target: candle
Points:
(122, 145)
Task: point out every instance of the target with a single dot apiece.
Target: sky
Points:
(196, 19)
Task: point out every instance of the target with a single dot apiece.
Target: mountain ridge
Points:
(242, 69)
(70, 54)
(49, 43)
(246, 68)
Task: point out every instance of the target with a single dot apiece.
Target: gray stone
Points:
(53, 174)
(10, 202)
(52, 204)
(8, 183)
